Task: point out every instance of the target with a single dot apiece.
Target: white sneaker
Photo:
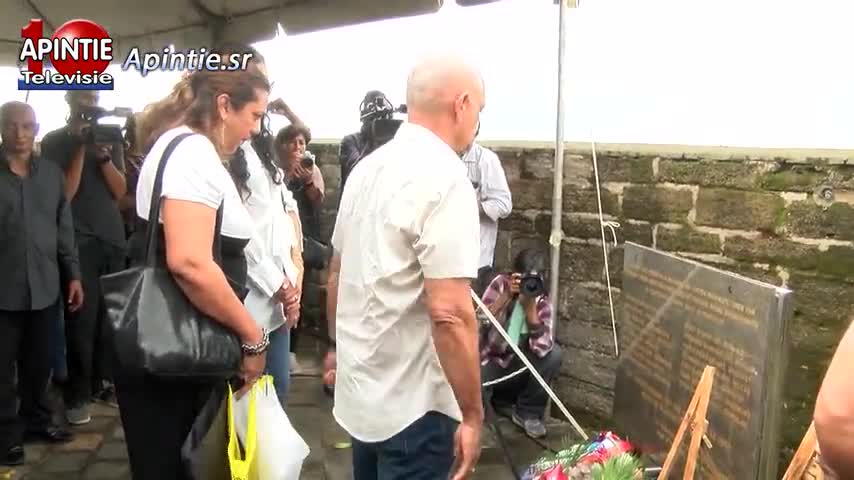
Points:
(78, 415)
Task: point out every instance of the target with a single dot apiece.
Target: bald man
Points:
(407, 385)
(36, 242)
(834, 411)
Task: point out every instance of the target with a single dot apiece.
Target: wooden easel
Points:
(695, 418)
(806, 461)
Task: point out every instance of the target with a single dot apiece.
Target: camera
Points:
(307, 160)
(532, 284)
(95, 133)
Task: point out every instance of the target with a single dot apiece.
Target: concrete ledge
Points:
(706, 152)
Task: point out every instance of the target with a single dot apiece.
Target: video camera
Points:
(95, 133)
(379, 114)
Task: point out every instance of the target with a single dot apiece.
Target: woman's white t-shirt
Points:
(194, 174)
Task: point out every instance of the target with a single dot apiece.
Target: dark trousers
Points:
(86, 335)
(522, 391)
(422, 451)
(25, 346)
(156, 416)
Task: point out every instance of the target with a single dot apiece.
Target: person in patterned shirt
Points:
(528, 320)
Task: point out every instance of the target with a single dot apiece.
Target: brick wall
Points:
(783, 217)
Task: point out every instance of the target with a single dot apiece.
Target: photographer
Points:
(94, 183)
(353, 145)
(520, 303)
(304, 180)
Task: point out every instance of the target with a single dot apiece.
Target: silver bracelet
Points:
(258, 348)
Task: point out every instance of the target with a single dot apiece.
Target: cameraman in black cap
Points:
(520, 303)
(353, 146)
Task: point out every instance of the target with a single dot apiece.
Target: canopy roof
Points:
(152, 24)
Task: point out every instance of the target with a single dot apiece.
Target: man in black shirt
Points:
(36, 243)
(94, 182)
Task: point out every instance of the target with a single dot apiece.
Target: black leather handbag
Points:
(156, 330)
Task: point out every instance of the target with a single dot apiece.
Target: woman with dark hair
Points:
(212, 112)
(274, 254)
(303, 178)
(520, 302)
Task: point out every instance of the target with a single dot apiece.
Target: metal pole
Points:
(557, 192)
(556, 237)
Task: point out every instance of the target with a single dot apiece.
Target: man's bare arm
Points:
(455, 336)
(834, 410)
(115, 180)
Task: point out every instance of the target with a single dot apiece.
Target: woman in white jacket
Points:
(274, 257)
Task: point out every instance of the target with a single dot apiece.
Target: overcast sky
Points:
(766, 73)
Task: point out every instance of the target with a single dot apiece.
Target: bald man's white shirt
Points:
(407, 213)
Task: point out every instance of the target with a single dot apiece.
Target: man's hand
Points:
(466, 448)
(76, 128)
(75, 295)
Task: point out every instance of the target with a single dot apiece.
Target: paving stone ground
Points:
(98, 451)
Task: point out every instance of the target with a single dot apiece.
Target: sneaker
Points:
(78, 415)
(533, 427)
(107, 396)
(14, 456)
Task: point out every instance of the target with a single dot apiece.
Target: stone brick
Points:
(531, 194)
(772, 250)
(837, 261)
(538, 165)
(511, 160)
(325, 153)
(739, 175)
(578, 227)
(107, 471)
(583, 200)
(331, 178)
(519, 221)
(585, 263)
(625, 169)
(581, 262)
(656, 204)
(64, 463)
(828, 304)
(810, 220)
(584, 397)
(83, 442)
(113, 451)
(590, 367)
(585, 319)
(807, 178)
(687, 239)
(502, 249)
(740, 210)
(522, 242)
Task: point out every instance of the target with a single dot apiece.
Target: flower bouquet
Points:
(605, 457)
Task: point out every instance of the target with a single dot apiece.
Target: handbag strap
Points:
(154, 208)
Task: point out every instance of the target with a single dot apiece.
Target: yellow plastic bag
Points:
(242, 461)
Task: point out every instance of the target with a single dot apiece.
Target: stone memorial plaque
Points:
(679, 316)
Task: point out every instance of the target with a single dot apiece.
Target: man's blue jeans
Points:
(422, 451)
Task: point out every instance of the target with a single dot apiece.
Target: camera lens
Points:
(307, 162)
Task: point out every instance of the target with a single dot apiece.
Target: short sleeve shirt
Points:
(407, 213)
(195, 174)
(95, 210)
